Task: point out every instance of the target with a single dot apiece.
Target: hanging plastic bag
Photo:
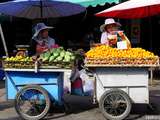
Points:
(88, 84)
(67, 83)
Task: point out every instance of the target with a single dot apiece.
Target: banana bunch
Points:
(18, 58)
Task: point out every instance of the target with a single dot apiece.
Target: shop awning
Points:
(93, 3)
(87, 3)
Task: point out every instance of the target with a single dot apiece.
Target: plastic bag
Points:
(88, 84)
(67, 83)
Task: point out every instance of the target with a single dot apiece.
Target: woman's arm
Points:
(104, 38)
(124, 38)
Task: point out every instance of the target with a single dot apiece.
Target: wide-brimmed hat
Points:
(108, 22)
(39, 27)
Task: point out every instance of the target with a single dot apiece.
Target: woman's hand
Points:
(112, 39)
(112, 42)
(41, 49)
(55, 46)
(120, 33)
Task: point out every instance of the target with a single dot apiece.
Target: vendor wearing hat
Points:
(41, 39)
(110, 31)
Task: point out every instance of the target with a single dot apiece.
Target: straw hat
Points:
(39, 27)
(108, 22)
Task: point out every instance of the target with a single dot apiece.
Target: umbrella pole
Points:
(41, 8)
(150, 27)
(3, 41)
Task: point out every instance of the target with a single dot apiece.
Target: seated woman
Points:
(41, 41)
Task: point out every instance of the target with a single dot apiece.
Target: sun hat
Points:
(108, 22)
(39, 27)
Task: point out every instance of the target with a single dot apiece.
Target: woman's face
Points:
(111, 28)
(44, 33)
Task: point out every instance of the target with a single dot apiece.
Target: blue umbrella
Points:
(37, 9)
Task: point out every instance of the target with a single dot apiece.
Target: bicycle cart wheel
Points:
(115, 104)
(32, 102)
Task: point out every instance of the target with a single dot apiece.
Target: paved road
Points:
(82, 109)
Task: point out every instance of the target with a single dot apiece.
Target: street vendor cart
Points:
(120, 79)
(117, 87)
(34, 92)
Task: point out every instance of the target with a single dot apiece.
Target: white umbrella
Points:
(132, 9)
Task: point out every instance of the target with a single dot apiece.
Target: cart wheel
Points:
(32, 102)
(115, 104)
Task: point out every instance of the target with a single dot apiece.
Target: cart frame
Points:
(123, 81)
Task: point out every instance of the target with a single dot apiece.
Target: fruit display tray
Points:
(123, 61)
(51, 65)
(18, 64)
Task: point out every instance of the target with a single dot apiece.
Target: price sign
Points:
(122, 45)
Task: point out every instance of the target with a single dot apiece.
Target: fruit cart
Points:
(117, 87)
(34, 91)
(121, 78)
(118, 83)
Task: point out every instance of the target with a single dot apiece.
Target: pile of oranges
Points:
(131, 55)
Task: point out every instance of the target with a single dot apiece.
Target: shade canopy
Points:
(93, 3)
(37, 9)
(132, 9)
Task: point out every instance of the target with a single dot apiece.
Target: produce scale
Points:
(118, 75)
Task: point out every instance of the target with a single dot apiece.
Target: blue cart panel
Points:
(1, 74)
(51, 81)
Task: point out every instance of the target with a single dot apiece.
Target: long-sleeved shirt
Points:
(104, 39)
